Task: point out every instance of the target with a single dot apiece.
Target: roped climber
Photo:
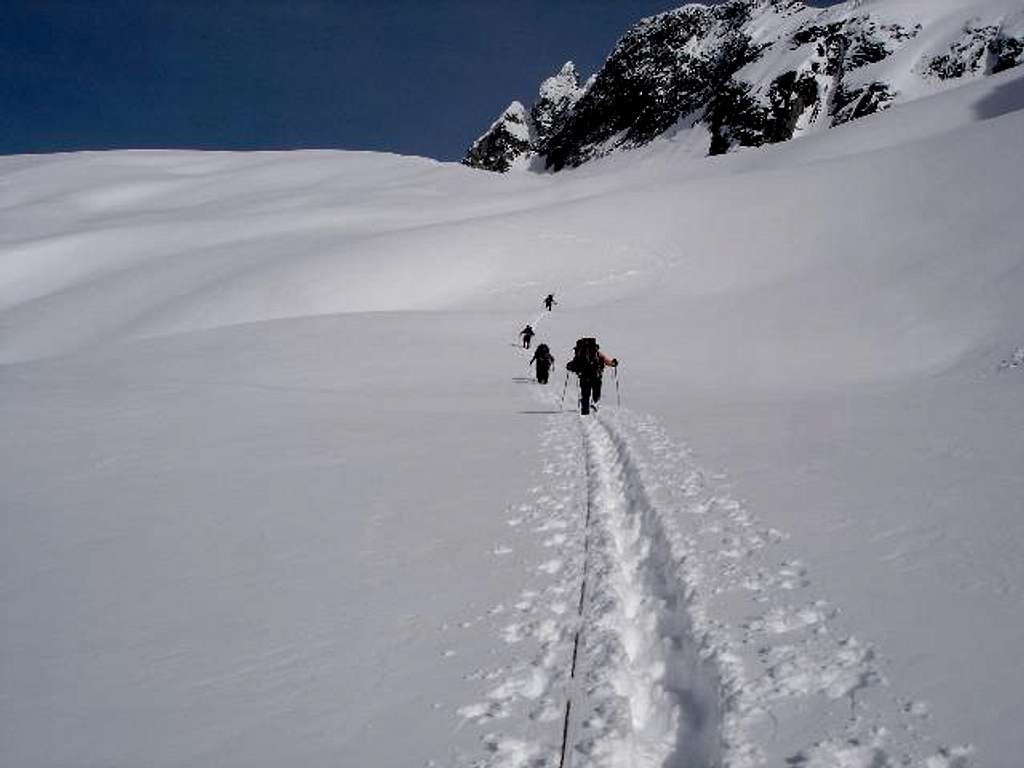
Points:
(543, 359)
(588, 363)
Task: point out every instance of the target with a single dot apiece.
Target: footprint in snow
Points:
(512, 633)
(917, 708)
(551, 567)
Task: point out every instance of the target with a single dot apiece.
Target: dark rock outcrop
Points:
(735, 118)
(663, 68)
(860, 102)
(1006, 52)
(506, 141)
(965, 56)
(555, 101)
(981, 50)
(749, 115)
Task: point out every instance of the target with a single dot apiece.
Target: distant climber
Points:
(549, 301)
(543, 360)
(527, 333)
(588, 363)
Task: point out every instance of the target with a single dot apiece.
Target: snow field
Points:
(215, 564)
(273, 491)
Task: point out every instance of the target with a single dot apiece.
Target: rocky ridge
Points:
(509, 139)
(753, 72)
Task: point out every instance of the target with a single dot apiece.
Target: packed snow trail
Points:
(572, 692)
(648, 697)
(693, 639)
(639, 691)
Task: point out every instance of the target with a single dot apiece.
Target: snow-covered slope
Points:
(754, 72)
(275, 490)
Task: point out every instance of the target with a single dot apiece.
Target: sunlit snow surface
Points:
(276, 488)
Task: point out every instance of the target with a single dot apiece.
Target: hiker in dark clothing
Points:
(527, 334)
(588, 363)
(544, 360)
(549, 301)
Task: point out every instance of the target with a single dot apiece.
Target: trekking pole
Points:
(618, 397)
(565, 386)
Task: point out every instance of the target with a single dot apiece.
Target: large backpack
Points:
(542, 353)
(585, 360)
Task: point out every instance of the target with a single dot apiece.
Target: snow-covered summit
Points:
(754, 72)
(557, 96)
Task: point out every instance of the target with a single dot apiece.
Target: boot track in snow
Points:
(640, 692)
(697, 640)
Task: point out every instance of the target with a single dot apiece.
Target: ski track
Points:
(666, 626)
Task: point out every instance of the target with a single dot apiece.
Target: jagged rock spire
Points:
(558, 95)
(507, 141)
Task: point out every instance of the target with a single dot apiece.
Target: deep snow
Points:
(274, 490)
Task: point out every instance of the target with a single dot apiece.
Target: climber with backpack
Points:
(588, 363)
(527, 333)
(549, 301)
(543, 360)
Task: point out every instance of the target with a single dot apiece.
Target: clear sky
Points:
(398, 75)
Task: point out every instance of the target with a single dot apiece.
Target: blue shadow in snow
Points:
(1006, 98)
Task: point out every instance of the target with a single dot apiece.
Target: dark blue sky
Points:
(399, 75)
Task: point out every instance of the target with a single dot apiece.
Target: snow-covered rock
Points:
(558, 95)
(663, 68)
(758, 72)
(504, 143)
(517, 136)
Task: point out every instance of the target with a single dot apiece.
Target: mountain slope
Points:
(755, 72)
(276, 488)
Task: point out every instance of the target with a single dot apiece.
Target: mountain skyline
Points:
(750, 72)
(396, 76)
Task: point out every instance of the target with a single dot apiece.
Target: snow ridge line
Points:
(651, 696)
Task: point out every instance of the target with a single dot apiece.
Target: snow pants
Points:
(542, 372)
(590, 390)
